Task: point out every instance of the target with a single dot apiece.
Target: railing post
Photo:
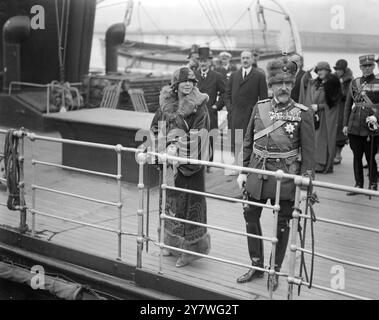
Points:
(31, 137)
(163, 213)
(140, 239)
(118, 150)
(274, 241)
(293, 248)
(21, 159)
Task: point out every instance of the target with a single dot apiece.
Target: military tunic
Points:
(362, 101)
(289, 148)
(357, 109)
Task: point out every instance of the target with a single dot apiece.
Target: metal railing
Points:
(48, 87)
(143, 158)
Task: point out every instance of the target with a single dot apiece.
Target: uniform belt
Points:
(265, 154)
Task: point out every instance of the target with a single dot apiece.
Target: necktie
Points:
(244, 74)
(203, 75)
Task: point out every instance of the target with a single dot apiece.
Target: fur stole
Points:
(169, 102)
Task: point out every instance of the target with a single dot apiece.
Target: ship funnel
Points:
(114, 36)
(15, 31)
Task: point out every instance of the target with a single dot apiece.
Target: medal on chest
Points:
(290, 129)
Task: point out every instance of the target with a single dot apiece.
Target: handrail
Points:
(144, 157)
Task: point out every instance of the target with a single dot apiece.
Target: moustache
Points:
(281, 92)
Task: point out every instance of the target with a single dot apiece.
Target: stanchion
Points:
(295, 225)
(274, 240)
(163, 158)
(141, 162)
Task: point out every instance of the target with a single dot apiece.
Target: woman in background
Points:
(323, 95)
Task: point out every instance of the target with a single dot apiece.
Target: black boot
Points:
(280, 252)
(252, 273)
(353, 193)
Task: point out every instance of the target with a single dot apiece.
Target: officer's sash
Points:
(274, 129)
(362, 91)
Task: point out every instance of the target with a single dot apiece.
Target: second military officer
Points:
(361, 121)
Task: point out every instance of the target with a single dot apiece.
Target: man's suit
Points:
(295, 93)
(226, 72)
(240, 98)
(213, 85)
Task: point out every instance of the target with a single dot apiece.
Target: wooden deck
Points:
(344, 243)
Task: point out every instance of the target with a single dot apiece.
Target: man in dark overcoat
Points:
(212, 83)
(245, 87)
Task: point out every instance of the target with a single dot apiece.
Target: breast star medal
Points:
(290, 128)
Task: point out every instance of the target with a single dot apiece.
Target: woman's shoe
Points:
(181, 263)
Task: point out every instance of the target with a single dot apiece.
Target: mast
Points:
(293, 26)
(128, 13)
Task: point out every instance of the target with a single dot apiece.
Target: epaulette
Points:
(302, 107)
(263, 101)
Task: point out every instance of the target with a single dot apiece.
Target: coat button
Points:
(277, 160)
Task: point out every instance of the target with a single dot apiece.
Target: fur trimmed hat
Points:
(281, 70)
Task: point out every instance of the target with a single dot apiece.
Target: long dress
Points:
(188, 176)
(318, 92)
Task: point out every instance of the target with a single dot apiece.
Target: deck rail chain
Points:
(143, 156)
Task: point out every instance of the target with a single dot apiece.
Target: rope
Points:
(310, 201)
(251, 27)
(214, 27)
(238, 20)
(12, 169)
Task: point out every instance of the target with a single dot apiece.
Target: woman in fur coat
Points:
(345, 76)
(183, 115)
(323, 95)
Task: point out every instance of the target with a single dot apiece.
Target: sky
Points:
(309, 15)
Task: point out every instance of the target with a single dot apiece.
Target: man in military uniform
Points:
(280, 136)
(361, 121)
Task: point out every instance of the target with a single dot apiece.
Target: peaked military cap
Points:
(280, 70)
(367, 59)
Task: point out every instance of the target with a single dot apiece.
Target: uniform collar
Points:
(280, 106)
(368, 78)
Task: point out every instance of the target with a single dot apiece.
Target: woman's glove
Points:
(241, 180)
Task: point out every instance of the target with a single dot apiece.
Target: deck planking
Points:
(344, 243)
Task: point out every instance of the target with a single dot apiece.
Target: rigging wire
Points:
(251, 27)
(59, 39)
(66, 31)
(223, 23)
(110, 5)
(139, 20)
(158, 28)
(237, 21)
(212, 24)
(218, 21)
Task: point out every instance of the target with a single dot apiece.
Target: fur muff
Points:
(333, 91)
